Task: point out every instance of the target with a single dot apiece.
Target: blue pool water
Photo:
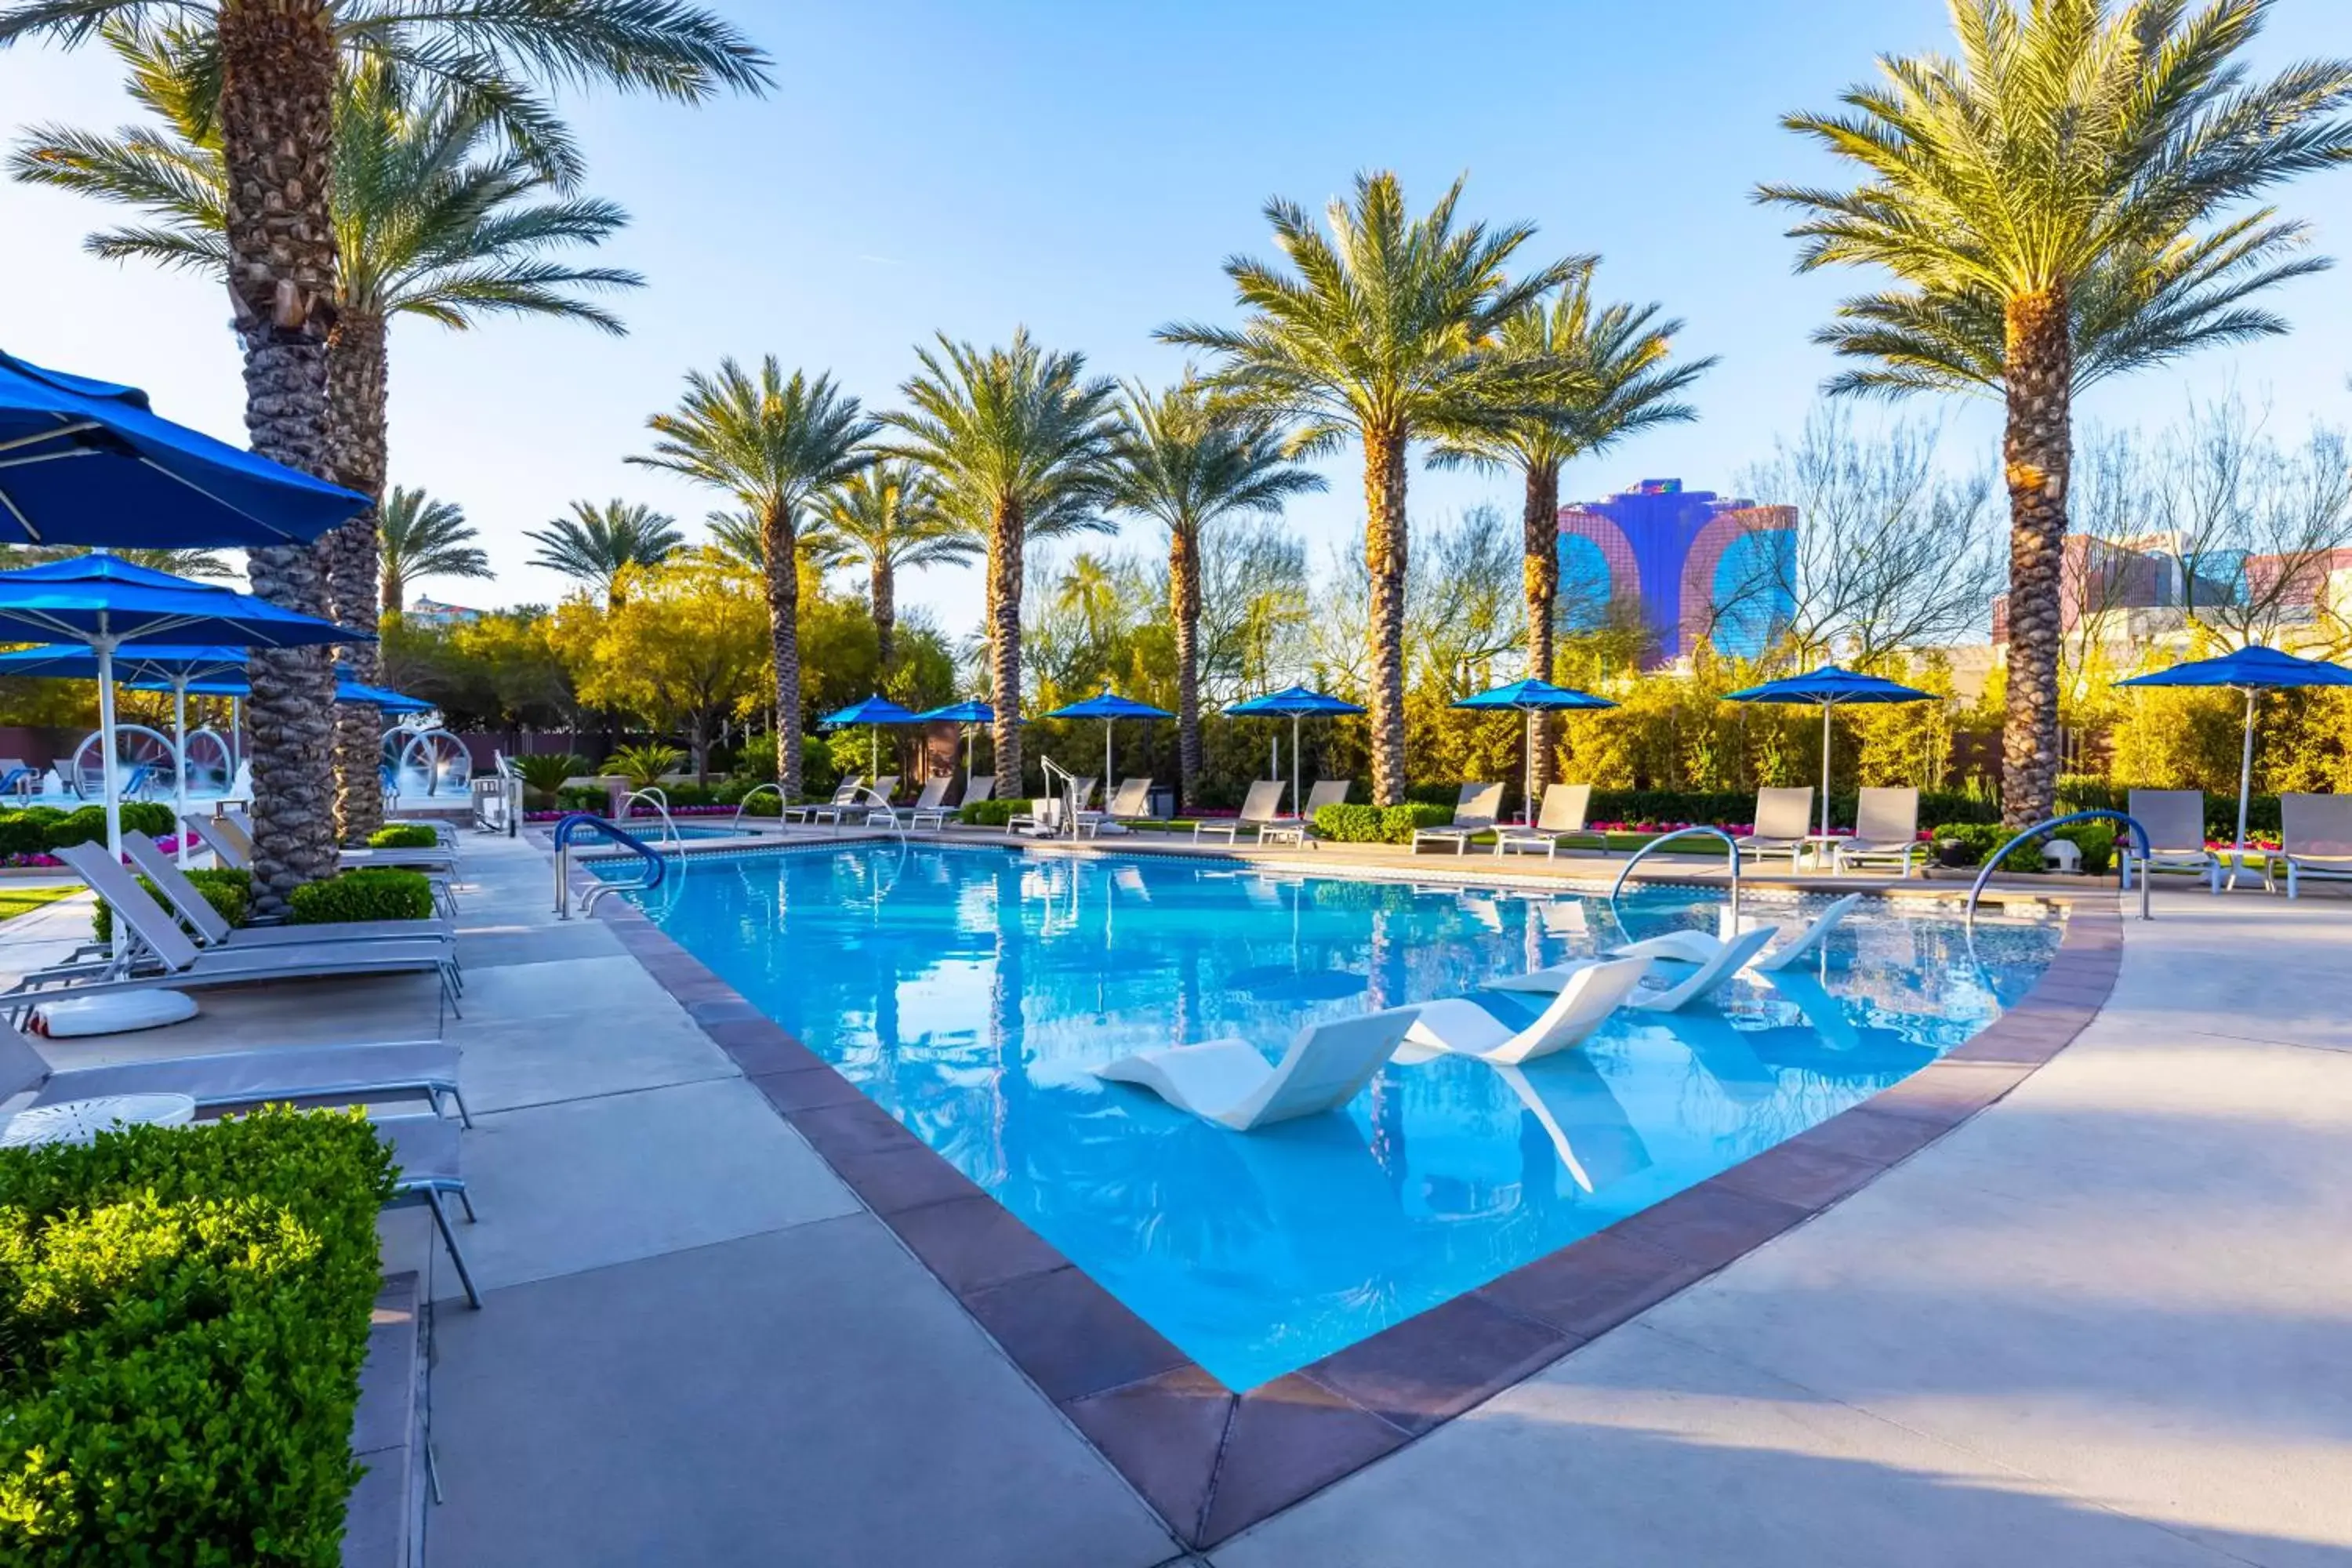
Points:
(969, 990)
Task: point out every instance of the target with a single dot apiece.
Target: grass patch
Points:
(14, 901)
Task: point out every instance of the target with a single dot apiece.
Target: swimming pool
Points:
(969, 990)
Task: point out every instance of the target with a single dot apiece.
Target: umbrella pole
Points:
(1297, 777)
(1826, 709)
(1108, 782)
(180, 767)
(2245, 776)
(873, 754)
(104, 648)
(1528, 784)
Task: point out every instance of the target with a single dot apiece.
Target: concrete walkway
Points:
(2107, 1321)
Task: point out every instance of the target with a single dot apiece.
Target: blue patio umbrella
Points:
(2252, 670)
(1532, 696)
(877, 711)
(1830, 686)
(1110, 708)
(972, 710)
(1295, 703)
(89, 462)
(102, 602)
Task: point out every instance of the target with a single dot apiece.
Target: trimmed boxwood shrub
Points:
(227, 890)
(185, 1315)
(1378, 824)
(990, 813)
(375, 893)
(1970, 842)
(583, 797)
(403, 835)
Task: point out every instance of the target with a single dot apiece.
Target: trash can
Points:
(1163, 802)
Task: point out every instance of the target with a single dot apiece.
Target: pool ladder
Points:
(1993, 861)
(566, 831)
(1664, 839)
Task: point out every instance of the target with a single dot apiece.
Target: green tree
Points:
(2050, 204)
(425, 537)
(685, 646)
(1387, 333)
(1187, 466)
(773, 444)
(885, 520)
(1017, 435)
(596, 544)
(271, 69)
(1614, 361)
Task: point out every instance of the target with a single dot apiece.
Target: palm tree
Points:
(1613, 358)
(1012, 434)
(2048, 203)
(596, 544)
(773, 444)
(274, 65)
(1187, 466)
(425, 537)
(1385, 334)
(885, 520)
(433, 219)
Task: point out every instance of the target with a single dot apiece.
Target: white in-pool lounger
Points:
(1698, 947)
(1229, 1083)
(1680, 992)
(1458, 1026)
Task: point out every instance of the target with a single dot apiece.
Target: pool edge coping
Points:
(1212, 1462)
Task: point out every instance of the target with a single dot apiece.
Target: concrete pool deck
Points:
(2104, 1321)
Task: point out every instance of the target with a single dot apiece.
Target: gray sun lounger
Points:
(1474, 813)
(188, 902)
(440, 858)
(232, 849)
(183, 966)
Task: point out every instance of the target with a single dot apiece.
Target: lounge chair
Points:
(2175, 820)
(440, 860)
(1474, 813)
(211, 931)
(1261, 815)
(182, 966)
(234, 849)
(1131, 802)
(1320, 793)
(934, 790)
(1784, 820)
(1700, 947)
(842, 796)
(1562, 818)
(1459, 1027)
(860, 801)
(1229, 1083)
(2316, 838)
(1680, 990)
(229, 1080)
(977, 788)
(424, 1153)
(1886, 827)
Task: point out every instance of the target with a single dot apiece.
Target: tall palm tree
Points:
(2049, 204)
(773, 444)
(1012, 434)
(1385, 334)
(274, 63)
(886, 519)
(1187, 466)
(596, 544)
(425, 537)
(432, 217)
(1613, 359)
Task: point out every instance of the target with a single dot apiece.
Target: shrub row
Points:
(38, 829)
(989, 813)
(403, 835)
(1379, 824)
(230, 892)
(726, 792)
(185, 1317)
(375, 893)
(1968, 844)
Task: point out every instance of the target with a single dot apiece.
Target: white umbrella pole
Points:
(1826, 709)
(180, 766)
(1528, 784)
(1298, 775)
(108, 789)
(873, 753)
(2245, 774)
(1109, 782)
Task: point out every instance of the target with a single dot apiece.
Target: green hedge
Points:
(2096, 840)
(184, 1317)
(1378, 824)
(404, 836)
(40, 829)
(228, 890)
(989, 813)
(375, 893)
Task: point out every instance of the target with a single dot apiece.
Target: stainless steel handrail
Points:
(655, 867)
(752, 794)
(882, 801)
(1993, 861)
(1069, 793)
(658, 799)
(1663, 839)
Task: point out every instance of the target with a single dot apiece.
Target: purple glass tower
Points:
(1702, 567)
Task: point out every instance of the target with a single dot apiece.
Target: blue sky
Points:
(926, 166)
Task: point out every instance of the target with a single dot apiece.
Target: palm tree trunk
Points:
(276, 119)
(885, 612)
(1005, 543)
(1539, 580)
(357, 372)
(2037, 457)
(395, 591)
(1184, 604)
(1385, 558)
(782, 557)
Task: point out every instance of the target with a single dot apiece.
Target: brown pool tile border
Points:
(1212, 1461)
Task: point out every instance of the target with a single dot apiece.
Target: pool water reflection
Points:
(968, 991)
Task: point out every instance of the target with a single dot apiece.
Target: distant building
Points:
(2131, 591)
(433, 613)
(1702, 567)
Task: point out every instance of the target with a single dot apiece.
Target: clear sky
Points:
(930, 166)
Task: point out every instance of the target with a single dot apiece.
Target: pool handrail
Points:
(748, 795)
(1070, 801)
(1993, 861)
(1663, 839)
(658, 798)
(655, 867)
(889, 813)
